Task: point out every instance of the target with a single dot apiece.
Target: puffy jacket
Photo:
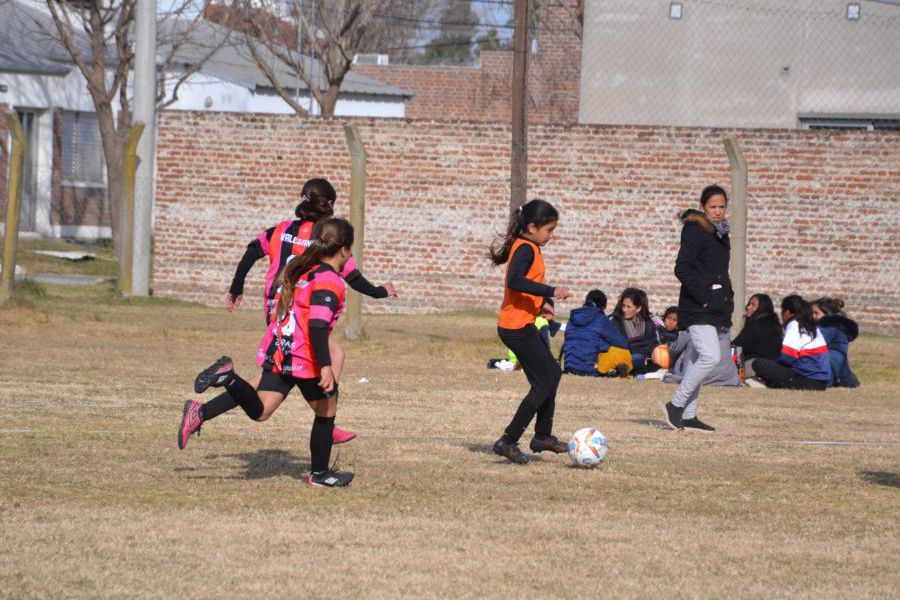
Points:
(760, 337)
(706, 296)
(588, 333)
(838, 332)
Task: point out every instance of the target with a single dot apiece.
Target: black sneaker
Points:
(219, 374)
(696, 424)
(548, 444)
(673, 415)
(622, 370)
(510, 452)
(329, 479)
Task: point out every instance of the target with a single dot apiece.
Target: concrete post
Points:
(13, 206)
(353, 330)
(738, 209)
(126, 275)
(145, 112)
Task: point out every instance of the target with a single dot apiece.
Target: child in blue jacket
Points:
(588, 333)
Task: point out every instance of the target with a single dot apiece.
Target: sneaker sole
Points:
(321, 486)
(183, 444)
(207, 376)
(666, 415)
(698, 430)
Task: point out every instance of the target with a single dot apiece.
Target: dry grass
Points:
(97, 501)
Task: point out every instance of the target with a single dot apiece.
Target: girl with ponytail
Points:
(530, 227)
(295, 350)
(281, 244)
(804, 363)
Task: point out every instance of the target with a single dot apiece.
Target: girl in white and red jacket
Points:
(803, 363)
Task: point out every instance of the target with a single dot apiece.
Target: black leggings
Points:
(543, 374)
(779, 376)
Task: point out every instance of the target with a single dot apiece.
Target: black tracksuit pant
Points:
(543, 374)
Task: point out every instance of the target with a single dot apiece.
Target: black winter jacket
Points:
(706, 297)
(760, 337)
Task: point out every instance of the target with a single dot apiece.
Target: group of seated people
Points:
(806, 349)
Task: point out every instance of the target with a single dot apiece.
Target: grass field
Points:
(797, 494)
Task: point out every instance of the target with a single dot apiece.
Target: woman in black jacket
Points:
(762, 333)
(705, 302)
(632, 318)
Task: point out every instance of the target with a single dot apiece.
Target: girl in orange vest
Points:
(530, 227)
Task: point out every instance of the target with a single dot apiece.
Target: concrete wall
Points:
(756, 63)
(824, 207)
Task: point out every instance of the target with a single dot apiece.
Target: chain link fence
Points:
(742, 63)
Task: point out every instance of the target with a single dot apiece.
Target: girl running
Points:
(280, 244)
(295, 349)
(530, 227)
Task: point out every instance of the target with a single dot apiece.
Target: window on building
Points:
(865, 122)
(82, 152)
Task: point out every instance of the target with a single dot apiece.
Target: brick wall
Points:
(484, 93)
(824, 206)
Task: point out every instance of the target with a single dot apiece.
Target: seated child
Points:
(546, 327)
(838, 331)
(667, 328)
(588, 334)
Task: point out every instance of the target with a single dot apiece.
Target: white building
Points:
(64, 189)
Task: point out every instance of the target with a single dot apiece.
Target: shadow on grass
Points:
(654, 423)
(882, 478)
(261, 465)
(489, 450)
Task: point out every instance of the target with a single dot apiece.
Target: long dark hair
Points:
(765, 306)
(638, 297)
(830, 306)
(330, 236)
(537, 213)
(802, 311)
(316, 200)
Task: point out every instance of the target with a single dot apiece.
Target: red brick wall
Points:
(484, 93)
(823, 215)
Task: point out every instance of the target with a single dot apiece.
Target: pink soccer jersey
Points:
(318, 301)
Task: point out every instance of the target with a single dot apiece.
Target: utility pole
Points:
(519, 171)
(144, 112)
(299, 8)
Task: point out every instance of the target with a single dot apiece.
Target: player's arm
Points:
(253, 253)
(516, 280)
(323, 306)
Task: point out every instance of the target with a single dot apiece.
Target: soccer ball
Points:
(588, 448)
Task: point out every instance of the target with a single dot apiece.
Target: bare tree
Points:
(333, 31)
(98, 36)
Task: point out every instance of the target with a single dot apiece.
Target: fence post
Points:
(126, 243)
(738, 268)
(353, 330)
(11, 237)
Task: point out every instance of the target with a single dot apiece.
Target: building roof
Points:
(29, 44)
(233, 61)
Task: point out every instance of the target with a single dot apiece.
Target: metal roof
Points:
(234, 62)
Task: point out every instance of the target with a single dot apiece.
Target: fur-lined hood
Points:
(693, 215)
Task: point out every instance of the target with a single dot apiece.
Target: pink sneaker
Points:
(190, 423)
(340, 436)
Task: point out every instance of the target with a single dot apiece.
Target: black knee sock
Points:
(218, 405)
(244, 394)
(519, 423)
(320, 442)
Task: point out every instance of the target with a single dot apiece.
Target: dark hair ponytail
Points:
(316, 200)
(830, 306)
(330, 236)
(802, 311)
(595, 298)
(537, 213)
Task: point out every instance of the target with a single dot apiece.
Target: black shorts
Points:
(283, 384)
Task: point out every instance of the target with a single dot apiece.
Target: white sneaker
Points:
(505, 365)
(755, 383)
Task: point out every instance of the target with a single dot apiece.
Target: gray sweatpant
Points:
(705, 339)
